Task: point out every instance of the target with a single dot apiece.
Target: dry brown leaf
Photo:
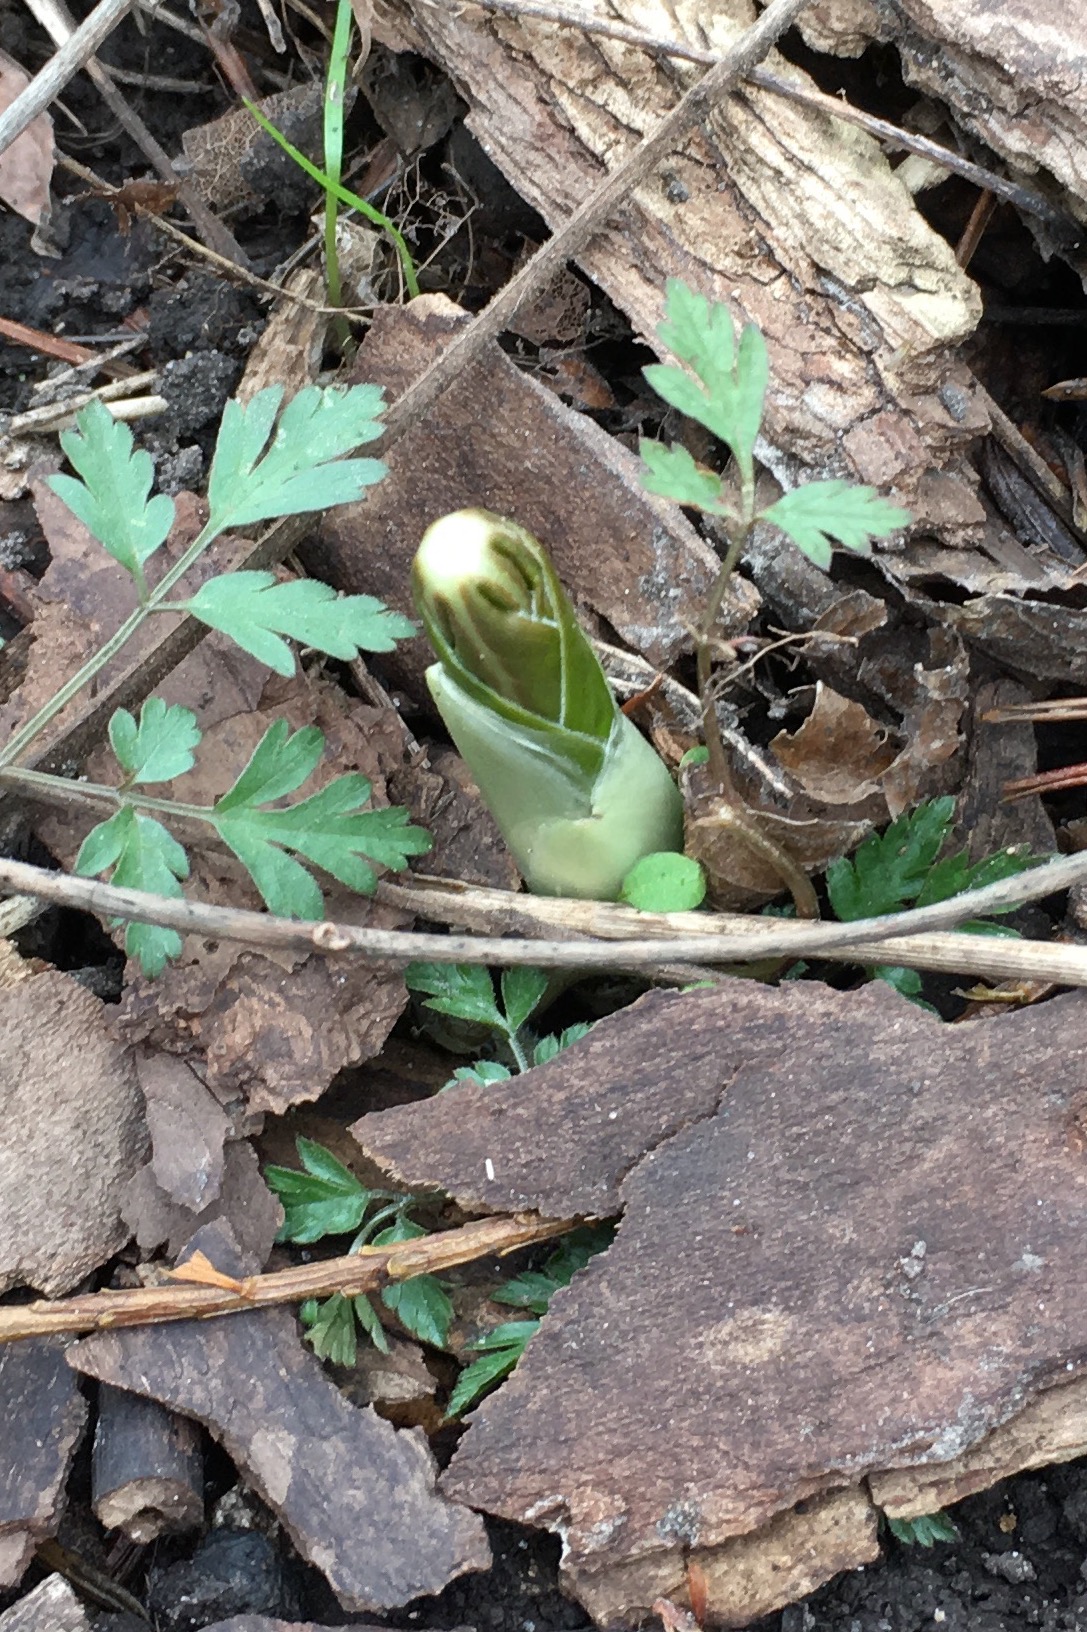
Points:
(26, 166)
(864, 1227)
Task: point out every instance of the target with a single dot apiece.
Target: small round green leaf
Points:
(664, 882)
(699, 755)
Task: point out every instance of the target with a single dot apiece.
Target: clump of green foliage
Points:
(261, 470)
(326, 1199)
(465, 992)
(898, 868)
(501, 1348)
(923, 1531)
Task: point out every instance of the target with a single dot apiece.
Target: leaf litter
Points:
(879, 732)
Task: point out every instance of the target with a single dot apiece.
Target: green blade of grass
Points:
(345, 196)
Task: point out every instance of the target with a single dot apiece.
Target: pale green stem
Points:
(519, 1055)
(107, 652)
(60, 790)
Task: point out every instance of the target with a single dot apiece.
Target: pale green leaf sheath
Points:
(578, 793)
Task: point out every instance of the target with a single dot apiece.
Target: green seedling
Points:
(336, 191)
(262, 469)
(501, 1348)
(578, 793)
(326, 1199)
(466, 992)
(898, 868)
(721, 382)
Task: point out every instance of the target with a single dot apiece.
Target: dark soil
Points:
(1021, 1557)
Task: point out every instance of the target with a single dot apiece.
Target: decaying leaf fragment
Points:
(26, 164)
(850, 1245)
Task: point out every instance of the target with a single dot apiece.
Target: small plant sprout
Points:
(722, 384)
(464, 991)
(261, 470)
(578, 793)
(326, 1199)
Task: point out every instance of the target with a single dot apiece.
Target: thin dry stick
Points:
(805, 95)
(653, 938)
(365, 1271)
(47, 85)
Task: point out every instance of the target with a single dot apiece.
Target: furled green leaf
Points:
(330, 828)
(499, 1352)
(820, 514)
(256, 610)
(422, 1303)
(464, 990)
(548, 1047)
(160, 747)
(330, 1328)
(144, 856)
(325, 1199)
(673, 473)
(112, 499)
(303, 468)
(664, 882)
(523, 990)
(889, 868)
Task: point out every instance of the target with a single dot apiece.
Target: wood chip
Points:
(43, 1414)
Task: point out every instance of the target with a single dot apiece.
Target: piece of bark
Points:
(1040, 639)
(52, 1606)
(261, 1623)
(1052, 1428)
(797, 220)
(1001, 752)
(356, 1497)
(864, 1227)
(147, 1468)
(188, 1129)
(500, 440)
(788, 1558)
(43, 1414)
(74, 1133)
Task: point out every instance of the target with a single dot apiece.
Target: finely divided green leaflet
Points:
(463, 990)
(144, 856)
(112, 499)
(256, 610)
(522, 992)
(821, 513)
(303, 468)
(160, 747)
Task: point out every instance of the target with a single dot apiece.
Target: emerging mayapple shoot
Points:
(578, 793)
